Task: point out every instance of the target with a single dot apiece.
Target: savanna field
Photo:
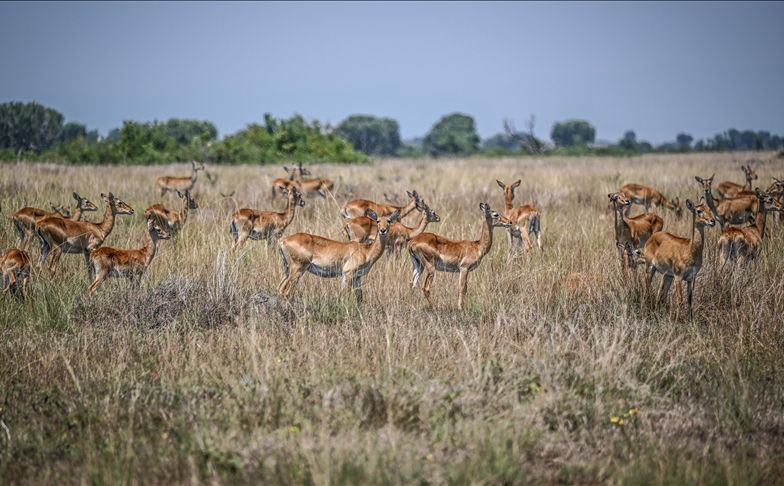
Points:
(560, 368)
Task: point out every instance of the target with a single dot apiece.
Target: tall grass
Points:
(560, 369)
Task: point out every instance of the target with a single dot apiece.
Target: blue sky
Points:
(657, 68)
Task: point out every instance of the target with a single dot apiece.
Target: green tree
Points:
(72, 131)
(572, 132)
(28, 126)
(453, 134)
(371, 135)
(629, 140)
(684, 140)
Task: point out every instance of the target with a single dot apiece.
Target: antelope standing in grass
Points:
(15, 269)
(60, 235)
(316, 185)
(636, 230)
(358, 207)
(130, 264)
(263, 225)
(431, 253)
(734, 210)
(743, 245)
(676, 257)
(647, 197)
(182, 184)
(729, 189)
(303, 252)
(25, 219)
(169, 218)
(523, 218)
(364, 229)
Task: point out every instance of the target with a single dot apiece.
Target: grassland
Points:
(559, 370)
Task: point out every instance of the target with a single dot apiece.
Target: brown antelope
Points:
(281, 185)
(60, 235)
(431, 253)
(743, 245)
(647, 197)
(303, 252)
(169, 218)
(676, 257)
(130, 264)
(15, 268)
(735, 210)
(523, 217)
(636, 230)
(364, 229)
(729, 189)
(263, 225)
(170, 183)
(358, 207)
(776, 190)
(316, 185)
(25, 219)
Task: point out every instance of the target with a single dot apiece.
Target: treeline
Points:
(30, 131)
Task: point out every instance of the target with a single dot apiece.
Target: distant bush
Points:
(371, 135)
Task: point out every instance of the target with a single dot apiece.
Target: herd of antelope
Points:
(371, 227)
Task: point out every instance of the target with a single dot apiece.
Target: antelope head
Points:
(118, 205)
(702, 213)
(619, 200)
(157, 232)
(296, 196)
(384, 222)
(509, 189)
(706, 183)
(84, 204)
(186, 197)
(751, 174)
(495, 218)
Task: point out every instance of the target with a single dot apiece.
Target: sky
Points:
(655, 68)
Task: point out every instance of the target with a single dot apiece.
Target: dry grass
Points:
(204, 375)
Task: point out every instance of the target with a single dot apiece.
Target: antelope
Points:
(729, 189)
(281, 185)
(525, 216)
(364, 229)
(169, 183)
(263, 225)
(320, 186)
(358, 207)
(636, 230)
(25, 219)
(431, 253)
(648, 196)
(60, 235)
(15, 268)
(736, 210)
(303, 252)
(673, 256)
(743, 245)
(131, 264)
(169, 218)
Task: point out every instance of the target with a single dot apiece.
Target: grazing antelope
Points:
(734, 210)
(636, 230)
(25, 219)
(729, 189)
(364, 229)
(303, 252)
(169, 183)
(281, 185)
(743, 245)
(131, 264)
(263, 225)
(525, 216)
(647, 197)
(60, 235)
(431, 253)
(358, 207)
(15, 268)
(169, 218)
(676, 257)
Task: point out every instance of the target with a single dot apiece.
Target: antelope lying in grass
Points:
(431, 253)
(676, 257)
(15, 269)
(647, 197)
(303, 252)
(263, 225)
(169, 218)
(364, 229)
(735, 210)
(636, 230)
(523, 218)
(729, 189)
(359, 207)
(25, 219)
(182, 184)
(130, 264)
(60, 235)
(743, 245)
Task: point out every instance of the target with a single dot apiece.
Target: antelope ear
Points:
(712, 176)
(484, 207)
(517, 183)
(394, 217)
(372, 215)
(500, 184)
(410, 194)
(698, 179)
(76, 196)
(179, 194)
(690, 205)
(611, 196)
